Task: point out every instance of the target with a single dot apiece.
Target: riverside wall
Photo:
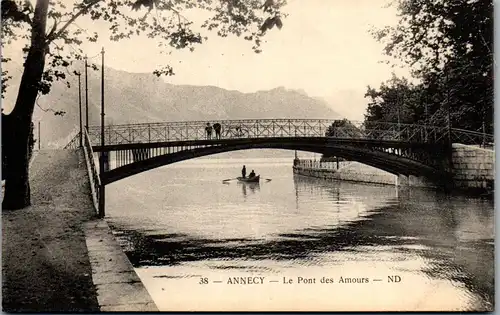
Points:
(473, 170)
(473, 167)
(347, 171)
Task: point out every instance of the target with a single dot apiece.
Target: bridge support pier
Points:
(402, 181)
(414, 181)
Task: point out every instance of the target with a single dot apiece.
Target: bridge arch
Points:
(383, 160)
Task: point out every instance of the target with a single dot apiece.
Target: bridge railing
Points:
(195, 130)
(74, 143)
(268, 128)
(405, 132)
(472, 137)
(95, 181)
(231, 129)
(321, 165)
(92, 170)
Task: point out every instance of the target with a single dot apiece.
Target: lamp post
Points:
(80, 106)
(103, 155)
(102, 99)
(86, 97)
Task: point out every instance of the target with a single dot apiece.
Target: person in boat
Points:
(244, 171)
(252, 174)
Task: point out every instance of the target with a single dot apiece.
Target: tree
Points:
(343, 128)
(449, 47)
(340, 128)
(48, 59)
(396, 101)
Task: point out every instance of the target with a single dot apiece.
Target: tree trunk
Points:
(18, 122)
(17, 188)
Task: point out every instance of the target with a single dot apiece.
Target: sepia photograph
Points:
(247, 155)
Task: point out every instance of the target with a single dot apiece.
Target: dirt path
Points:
(44, 257)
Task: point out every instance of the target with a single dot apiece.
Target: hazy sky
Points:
(323, 48)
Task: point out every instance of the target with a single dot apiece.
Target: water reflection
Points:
(390, 229)
(249, 187)
(343, 191)
(424, 233)
(454, 234)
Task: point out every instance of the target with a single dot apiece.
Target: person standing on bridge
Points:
(208, 129)
(244, 171)
(217, 129)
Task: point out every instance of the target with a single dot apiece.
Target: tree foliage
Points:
(159, 19)
(343, 128)
(448, 45)
(396, 101)
(53, 38)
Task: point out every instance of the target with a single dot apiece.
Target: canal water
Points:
(300, 243)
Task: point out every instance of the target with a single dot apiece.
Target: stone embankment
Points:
(473, 167)
(473, 171)
(346, 171)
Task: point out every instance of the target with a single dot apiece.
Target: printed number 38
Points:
(203, 281)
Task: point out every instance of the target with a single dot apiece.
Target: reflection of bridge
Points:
(397, 148)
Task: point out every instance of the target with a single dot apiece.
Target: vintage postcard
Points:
(247, 155)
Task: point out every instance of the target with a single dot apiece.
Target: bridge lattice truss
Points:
(273, 128)
(133, 142)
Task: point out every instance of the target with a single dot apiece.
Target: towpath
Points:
(45, 262)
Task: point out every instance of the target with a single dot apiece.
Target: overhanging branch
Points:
(54, 27)
(71, 20)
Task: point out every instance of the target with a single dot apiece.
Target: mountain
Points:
(143, 97)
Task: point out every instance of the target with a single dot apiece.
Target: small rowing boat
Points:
(254, 179)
